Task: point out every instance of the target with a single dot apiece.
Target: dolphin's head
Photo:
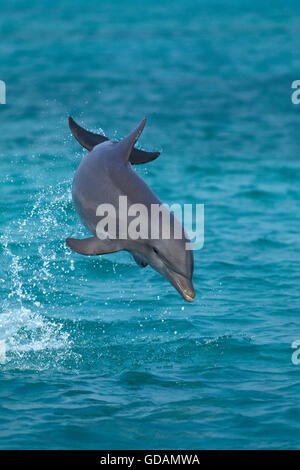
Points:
(171, 258)
(177, 268)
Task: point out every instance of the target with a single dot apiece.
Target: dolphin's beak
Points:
(126, 144)
(182, 284)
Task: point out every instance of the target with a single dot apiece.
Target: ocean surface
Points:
(97, 353)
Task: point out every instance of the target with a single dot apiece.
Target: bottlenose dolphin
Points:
(102, 177)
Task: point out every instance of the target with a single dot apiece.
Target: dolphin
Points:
(105, 174)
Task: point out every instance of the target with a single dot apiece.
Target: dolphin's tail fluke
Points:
(89, 140)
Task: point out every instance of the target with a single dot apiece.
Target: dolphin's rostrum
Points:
(104, 175)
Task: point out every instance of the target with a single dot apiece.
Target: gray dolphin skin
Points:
(104, 175)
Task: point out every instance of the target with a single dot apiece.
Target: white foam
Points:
(2, 352)
(28, 334)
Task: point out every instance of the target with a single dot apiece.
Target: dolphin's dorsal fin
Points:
(126, 145)
(89, 140)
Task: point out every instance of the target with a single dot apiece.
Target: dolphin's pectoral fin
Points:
(139, 261)
(93, 246)
(89, 140)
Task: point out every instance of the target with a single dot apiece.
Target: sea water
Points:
(96, 352)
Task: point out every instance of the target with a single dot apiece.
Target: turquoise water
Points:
(96, 352)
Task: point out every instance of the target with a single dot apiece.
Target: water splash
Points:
(32, 341)
(28, 337)
(2, 352)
